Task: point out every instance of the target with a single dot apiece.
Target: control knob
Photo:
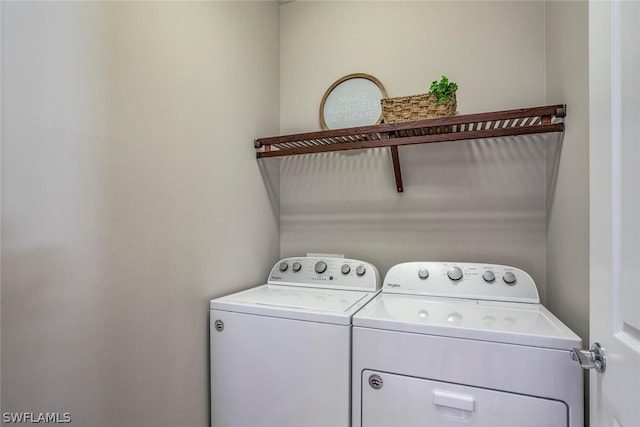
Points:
(296, 266)
(455, 273)
(345, 269)
(488, 276)
(423, 273)
(320, 267)
(283, 266)
(509, 278)
(360, 270)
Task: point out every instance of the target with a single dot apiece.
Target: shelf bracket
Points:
(396, 168)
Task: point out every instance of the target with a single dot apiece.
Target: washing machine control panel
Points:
(462, 280)
(326, 272)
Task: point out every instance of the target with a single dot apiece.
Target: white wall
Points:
(567, 81)
(130, 197)
(494, 50)
(481, 201)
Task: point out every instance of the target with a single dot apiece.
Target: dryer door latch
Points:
(595, 358)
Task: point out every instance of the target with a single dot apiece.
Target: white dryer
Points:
(463, 344)
(281, 352)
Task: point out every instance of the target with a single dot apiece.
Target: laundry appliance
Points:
(463, 344)
(281, 352)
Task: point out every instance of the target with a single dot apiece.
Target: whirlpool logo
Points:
(393, 285)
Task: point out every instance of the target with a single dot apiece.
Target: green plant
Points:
(443, 90)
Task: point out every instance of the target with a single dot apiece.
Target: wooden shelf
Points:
(469, 126)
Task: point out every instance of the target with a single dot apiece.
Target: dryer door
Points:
(390, 400)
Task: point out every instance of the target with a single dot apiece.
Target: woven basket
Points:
(416, 107)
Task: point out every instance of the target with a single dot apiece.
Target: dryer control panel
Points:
(326, 272)
(491, 282)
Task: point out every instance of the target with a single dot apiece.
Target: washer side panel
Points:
(274, 372)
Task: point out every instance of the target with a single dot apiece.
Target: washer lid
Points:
(504, 322)
(291, 302)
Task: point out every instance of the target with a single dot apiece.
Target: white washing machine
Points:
(281, 352)
(462, 344)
